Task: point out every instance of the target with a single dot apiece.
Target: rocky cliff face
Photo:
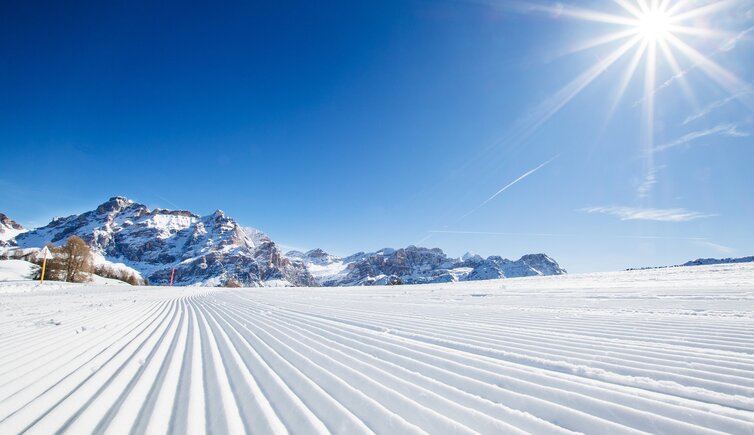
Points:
(415, 265)
(209, 250)
(215, 250)
(9, 230)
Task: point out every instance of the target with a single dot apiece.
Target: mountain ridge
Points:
(9, 230)
(216, 250)
(702, 262)
(710, 261)
(418, 265)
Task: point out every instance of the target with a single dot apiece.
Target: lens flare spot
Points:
(654, 26)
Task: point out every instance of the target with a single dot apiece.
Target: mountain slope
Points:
(416, 265)
(9, 230)
(710, 261)
(659, 351)
(208, 250)
(215, 250)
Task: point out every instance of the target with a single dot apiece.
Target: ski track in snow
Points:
(656, 351)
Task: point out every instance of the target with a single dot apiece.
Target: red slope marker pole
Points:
(172, 274)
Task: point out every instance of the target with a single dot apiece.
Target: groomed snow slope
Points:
(660, 351)
(17, 270)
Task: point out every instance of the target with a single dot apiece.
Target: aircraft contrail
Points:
(509, 185)
(526, 174)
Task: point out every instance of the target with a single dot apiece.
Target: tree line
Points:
(72, 262)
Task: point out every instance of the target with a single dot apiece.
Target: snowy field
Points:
(659, 351)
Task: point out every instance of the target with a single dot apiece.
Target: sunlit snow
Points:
(660, 351)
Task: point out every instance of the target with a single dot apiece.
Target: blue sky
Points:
(359, 125)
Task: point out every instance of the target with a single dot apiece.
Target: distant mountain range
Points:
(702, 262)
(707, 261)
(215, 250)
(415, 265)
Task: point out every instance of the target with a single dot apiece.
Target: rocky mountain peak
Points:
(9, 229)
(114, 205)
(210, 250)
(417, 265)
(215, 250)
(316, 253)
(6, 222)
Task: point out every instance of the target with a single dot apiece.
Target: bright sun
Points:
(653, 25)
(645, 33)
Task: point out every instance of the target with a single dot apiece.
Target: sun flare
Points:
(649, 39)
(647, 33)
(654, 25)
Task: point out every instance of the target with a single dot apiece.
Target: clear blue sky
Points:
(359, 125)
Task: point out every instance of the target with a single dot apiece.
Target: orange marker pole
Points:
(44, 266)
(172, 274)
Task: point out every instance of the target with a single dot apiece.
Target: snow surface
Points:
(16, 270)
(20, 272)
(659, 351)
(7, 233)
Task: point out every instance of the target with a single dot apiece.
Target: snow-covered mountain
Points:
(710, 261)
(207, 250)
(216, 250)
(9, 229)
(416, 265)
(702, 262)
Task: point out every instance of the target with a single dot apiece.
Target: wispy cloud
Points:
(649, 214)
(716, 105)
(495, 233)
(728, 130)
(581, 236)
(666, 84)
(714, 246)
(646, 186)
(649, 181)
(509, 185)
(730, 44)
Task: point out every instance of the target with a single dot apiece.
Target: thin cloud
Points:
(524, 7)
(730, 44)
(715, 105)
(649, 181)
(715, 246)
(496, 233)
(677, 76)
(728, 130)
(646, 186)
(509, 185)
(649, 214)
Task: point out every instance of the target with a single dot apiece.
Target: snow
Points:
(99, 280)
(99, 260)
(322, 272)
(21, 272)
(659, 351)
(16, 270)
(8, 233)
